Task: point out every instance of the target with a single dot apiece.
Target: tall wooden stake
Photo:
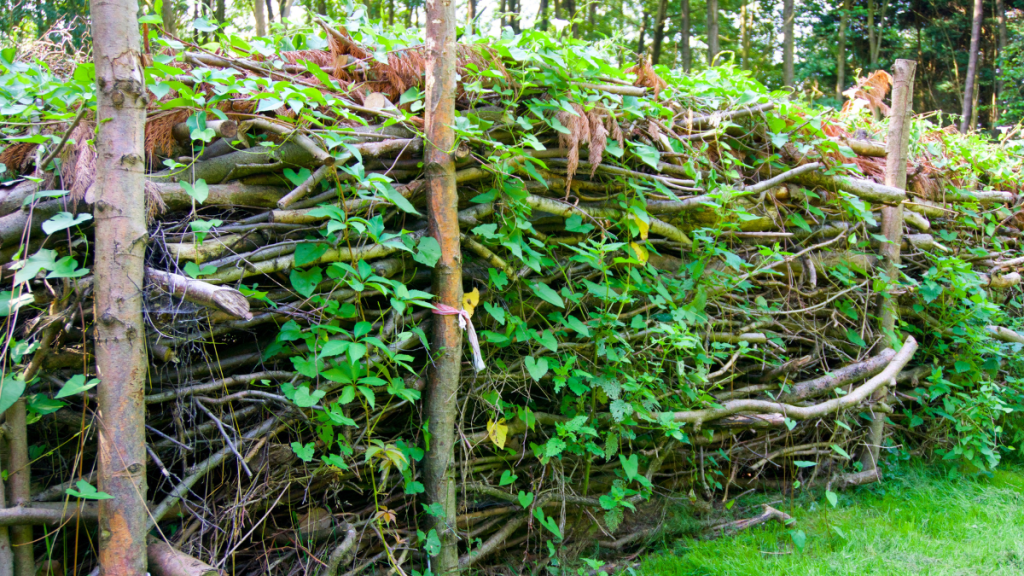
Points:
(121, 237)
(443, 225)
(892, 226)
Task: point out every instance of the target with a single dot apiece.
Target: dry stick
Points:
(841, 377)
(305, 188)
(227, 438)
(221, 298)
(892, 228)
(341, 551)
(768, 514)
(166, 560)
(64, 140)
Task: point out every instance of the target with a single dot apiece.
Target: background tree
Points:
(970, 94)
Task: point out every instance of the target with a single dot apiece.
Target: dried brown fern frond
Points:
(598, 140)
(18, 157)
(78, 163)
(646, 77)
(155, 205)
(870, 91)
(160, 133)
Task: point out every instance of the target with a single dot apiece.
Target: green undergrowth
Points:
(919, 521)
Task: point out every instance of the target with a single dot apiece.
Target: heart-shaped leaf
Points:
(536, 368)
(76, 385)
(63, 221)
(305, 399)
(525, 499)
(507, 477)
(10, 390)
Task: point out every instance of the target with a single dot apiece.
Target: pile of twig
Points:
(711, 339)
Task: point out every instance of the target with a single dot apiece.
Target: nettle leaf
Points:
(63, 221)
(428, 252)
(303, 451)
(306, 281)
(76, 385)
(198, 191)
(545, 293)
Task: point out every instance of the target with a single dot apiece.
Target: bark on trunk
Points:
(684, 41)
(712, 31)
(787, 46)
(745, 37)
(121, 237)
(1000, 47)
(440, 408)
(169, 17)
(542, 16)
(643, 35)
(659, 30)
(897, 143)
(18, 467)
(841, 52)
(972, 65)
(259, 12)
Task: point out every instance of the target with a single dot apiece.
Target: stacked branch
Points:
(656, 280)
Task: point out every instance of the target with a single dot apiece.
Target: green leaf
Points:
(547, 340)
(648, 154)
(63, 221)
(840, 451)
(574, 323)
(308, 252)
(852, 335)
(9, 304)
(804, 464)
(11, 389)
(193, 270)
(76, 385)
(305, 399)
(799, 539)
(297, 178)
(401, 202)
(306, 281)
(87, 491)
(832, 498)
(507, 477)
(545, 293)
(575, 223)
(428, 252)
(303, 451)
(536, 368)
(525, 499)
(198, 191)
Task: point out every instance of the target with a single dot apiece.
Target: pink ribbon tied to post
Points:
(466, 324)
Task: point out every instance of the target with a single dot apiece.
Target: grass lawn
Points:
(917, 522)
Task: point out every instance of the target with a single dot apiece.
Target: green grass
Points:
(917, 522)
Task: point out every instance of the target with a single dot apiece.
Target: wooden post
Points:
(120, 248)
(440, 408)
(892, 228)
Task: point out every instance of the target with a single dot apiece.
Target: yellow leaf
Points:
(497, 432)
(643, 226)
(387, 516)
(470, 300)
(641, 253)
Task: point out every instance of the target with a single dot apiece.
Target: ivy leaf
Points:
(303, 451)
(63, 221)
(76, 385)
(306, 281)
(198, 191)
(87, 491)
(545, 293)
(428, 252)
(547, 340)
(536, 368)
(297, 178)
(194, 270)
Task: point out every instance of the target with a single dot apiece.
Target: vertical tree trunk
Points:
(659, 30)
(391, 11)
(871, 35)
(640, 46)
(787, 46)
(841, 52)
(501, 19)
(712, 31)
(120, 249)
(218, 11)
(972, 65)
(261, 17)
(169, 17)
(977, 92)
(6, 553)
(542, 15)
(745, 37)
(513, 19)
(19, 470)
(875, 47)
(270, 11)
(897, 143)
(470, 14)
(443, 224)
(684, 41)
(998, 64)
(570, 11)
